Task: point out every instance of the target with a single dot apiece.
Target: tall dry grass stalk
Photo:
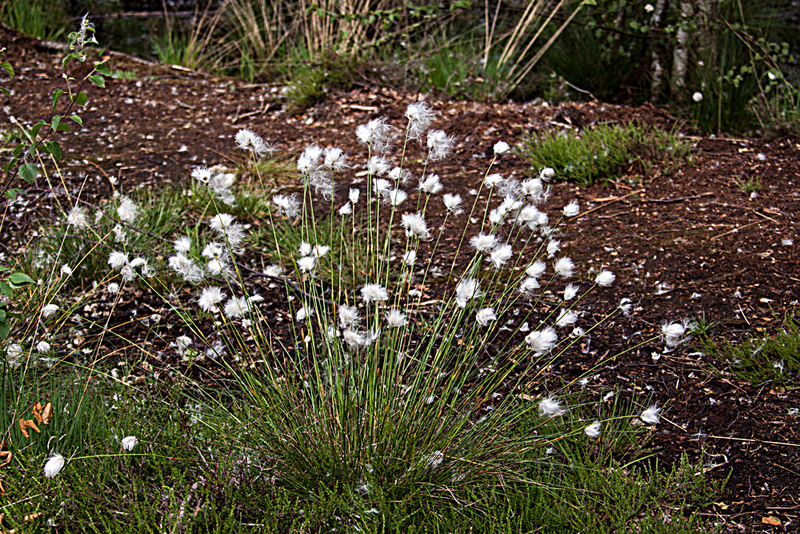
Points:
(338, 26)
(537, 16)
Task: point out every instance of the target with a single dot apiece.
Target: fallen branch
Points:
(735, 230)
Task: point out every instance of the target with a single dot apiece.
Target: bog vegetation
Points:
(219, 359)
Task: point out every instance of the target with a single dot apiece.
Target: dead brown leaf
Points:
(47, 413)
(25, 424)
(771, 520)
(37, 412)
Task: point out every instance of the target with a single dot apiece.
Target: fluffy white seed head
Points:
(288, 206)
(528, 285)
(605, 278)
(348, 316)
(251, 142)
(127, 211)
(674, 334)
(593, 430)
(541, 341)
(303, 313)
(566, 318)
(419, 117)
(77, 217)
(439, 145)
(353, 195)
(185, 267)
(467, 290)
(553, 246)
(484, 242)
(305, 249)
(334, 159)
(415, 225)
(572, 209)
(117, 260)
(570, 291)
(485, 316)
(501, 255)
(395, 318)
(355, 338)
(129, 442)
(452, 203)
(501, 147)
(183, 244)
(492, 180)
(650, 415)
(378, 166)
(53, 466)
(210, 297)
(306, 263)
(563, 267)
(49, 310)
(550, 406)
(236, 307)
(374, 292)
(430, 184)
(376, 134)
(536, 269)
(395, 197)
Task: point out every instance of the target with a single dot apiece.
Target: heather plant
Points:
(606, 152)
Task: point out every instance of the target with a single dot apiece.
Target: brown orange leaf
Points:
(37, 412)
(771, 520)
(22, 428)
(25, 424)
(47, 413)
(30, 424)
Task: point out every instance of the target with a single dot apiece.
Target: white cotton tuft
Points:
(593, 430)
(650, 415)
(129, 442)
(550, 406)
(541, 341)
(572, 209)
(374, 292)
(564, 267)
(501, 147)
(485, 316)
(605, 279)
(53, 466)
(466, 290)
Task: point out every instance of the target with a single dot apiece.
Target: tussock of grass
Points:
(607, 152)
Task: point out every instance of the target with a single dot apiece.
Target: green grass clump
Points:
(607, 152)
(758, 360)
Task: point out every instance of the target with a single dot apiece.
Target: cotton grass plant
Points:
(384, 376)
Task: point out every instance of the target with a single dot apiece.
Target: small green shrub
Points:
(758, 360)
(607, 152)
(310, 81)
